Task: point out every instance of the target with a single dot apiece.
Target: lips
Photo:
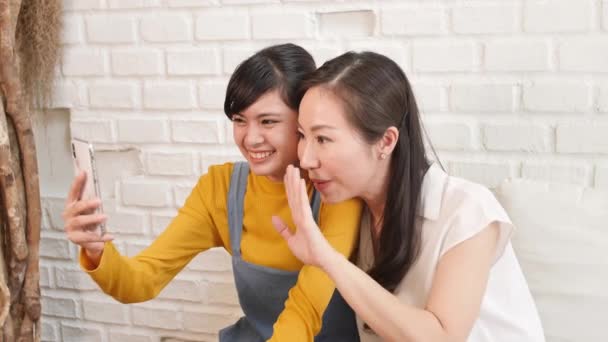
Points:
(258, 156)
(320, 184)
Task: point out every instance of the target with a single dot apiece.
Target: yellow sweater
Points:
(202, 223)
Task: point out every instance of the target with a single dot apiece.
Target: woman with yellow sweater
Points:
(232, 208)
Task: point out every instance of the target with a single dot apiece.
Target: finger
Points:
(82, 207)
(304, 201)
(76, 187)
(80, 223)
(81, 237)
(281, 227)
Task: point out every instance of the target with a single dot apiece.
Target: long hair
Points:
(376, 95)
(278, 67)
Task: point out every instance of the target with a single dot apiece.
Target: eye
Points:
(238, 120)
(269, 122)
(322, 140)
(300, 135)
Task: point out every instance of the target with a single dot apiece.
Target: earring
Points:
(382, 155)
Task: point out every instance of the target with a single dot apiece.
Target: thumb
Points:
(281, 227)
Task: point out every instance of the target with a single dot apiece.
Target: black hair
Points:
(376, 95)
(278, 67)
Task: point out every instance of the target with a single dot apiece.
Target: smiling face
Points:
(266, 134)
(340, 163)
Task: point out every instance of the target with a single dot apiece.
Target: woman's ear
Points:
(387, 143)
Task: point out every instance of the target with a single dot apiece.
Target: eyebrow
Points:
(318, 127)
(261, 116)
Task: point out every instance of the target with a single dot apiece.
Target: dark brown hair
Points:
(376, 95)
(278, 67)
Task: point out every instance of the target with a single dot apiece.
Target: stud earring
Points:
(382, 155)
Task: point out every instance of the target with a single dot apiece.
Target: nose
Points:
(253, 136)
(308, 156)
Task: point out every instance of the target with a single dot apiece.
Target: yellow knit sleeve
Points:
(142, 277)
(302, 317)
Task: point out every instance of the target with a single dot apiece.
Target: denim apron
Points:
(262, 291)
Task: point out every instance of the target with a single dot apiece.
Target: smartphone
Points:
(83, 156)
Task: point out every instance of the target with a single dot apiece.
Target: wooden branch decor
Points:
(29, 50)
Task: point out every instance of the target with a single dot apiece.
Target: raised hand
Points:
(307, 243)
(80, 221)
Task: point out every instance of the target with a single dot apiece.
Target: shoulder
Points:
(214, 184)
(464, 197)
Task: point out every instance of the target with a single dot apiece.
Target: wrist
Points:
(331, 261)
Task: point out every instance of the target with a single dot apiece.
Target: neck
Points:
(375, 196)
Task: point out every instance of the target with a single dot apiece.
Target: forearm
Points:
(381, 310)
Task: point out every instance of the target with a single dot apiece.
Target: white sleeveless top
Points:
(451, 211)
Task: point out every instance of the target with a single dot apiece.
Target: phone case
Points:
(84, 160)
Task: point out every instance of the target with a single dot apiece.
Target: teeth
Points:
(260, 155)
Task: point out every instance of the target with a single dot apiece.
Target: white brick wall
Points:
(512, 88)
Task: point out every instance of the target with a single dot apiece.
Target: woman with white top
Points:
(435, 262)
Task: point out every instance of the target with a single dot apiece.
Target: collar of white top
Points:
(431, 192)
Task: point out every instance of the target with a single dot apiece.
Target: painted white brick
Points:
(557, 172)
(74, 332)
(181, 194)
(359, 23)
(446, 56)
(223, 293)
(582, 138)
(605, 17)
(601, 176)
(557, 96)
(517, 56)
(169, 95)
(130, 162)
(242, 2)
(105, 312)
(197, 131)
(212, 260)
(160, 222)
(113, 95)
(83, 62)
(488, 174)
(65, 95)
(58, 307)
(397, 51)
(170, 164)
(73, 278)
(558, 15)
(280, 25)
(420, 21)
(450, 136)
(92, 130)
(45, 276)
(232, 57)
(212, 93)
(49, 331)
(489, 97)
(184, 289)
(484, 19)
(584, 55)
(73, 29)
(166, 28)
(133, 3)
(53, 209)
(156, 317)
(137, 62)
(129, 337)
(110, 29)
(192, 3)
(517, 137)
(602, 102)
(222, 24)
(142, 130)
(82, 4)
(193, 62)
(322, 54)
(213, 321)
(429, 97)
(125, 223)
(145, 193)
(54, 248)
